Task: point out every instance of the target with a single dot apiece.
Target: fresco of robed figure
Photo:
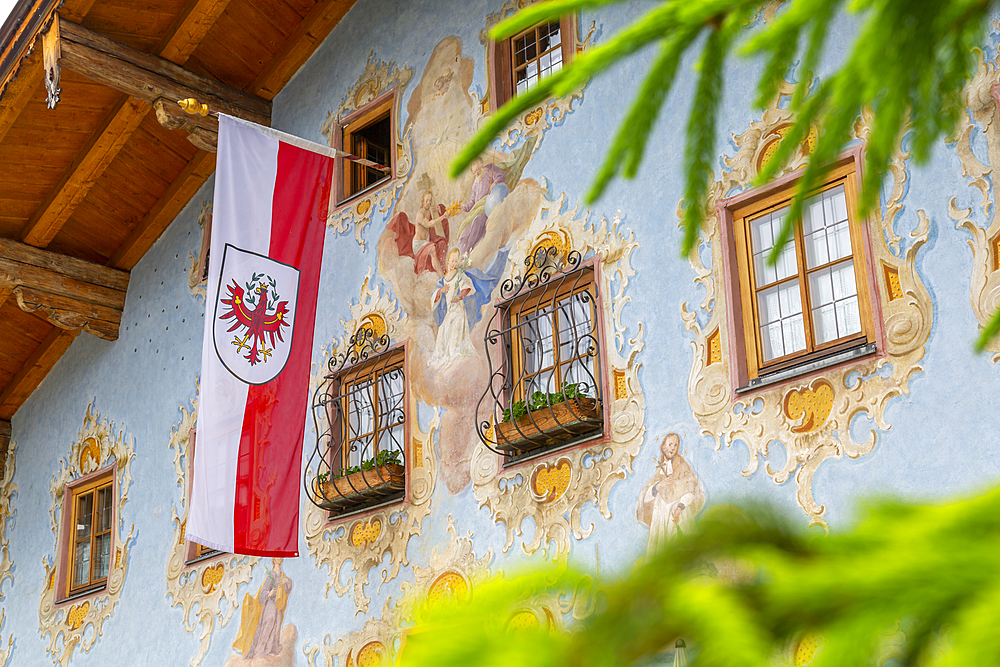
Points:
(445, 248)
(262, 642)
(672, 498)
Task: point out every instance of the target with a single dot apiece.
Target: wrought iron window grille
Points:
(359, 413)
(542, 346)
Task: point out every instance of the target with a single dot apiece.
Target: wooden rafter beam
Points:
(89, 165)
(164, 211)
(68, 292)
(149, 78)
(314, 28)
(34, 370)
(104, 145)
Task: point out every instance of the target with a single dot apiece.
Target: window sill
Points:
(88, 592)
(802, 369)
(348, 201)
(202, 558)
(541, 452)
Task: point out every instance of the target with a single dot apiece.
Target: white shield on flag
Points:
(254, 314)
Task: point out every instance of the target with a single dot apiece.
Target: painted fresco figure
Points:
(670, 500)
(457, 302)
(427, 240)
(487, 176)
(263, 615)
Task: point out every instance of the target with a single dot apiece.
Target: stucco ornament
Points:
(811, 418)
(533, 122)
(374, 645)
(80, 623)
(206, 591)
(981, 116)
(8, 489)
(554, 489)
(364, 542)
(378, 77)
(194, 273)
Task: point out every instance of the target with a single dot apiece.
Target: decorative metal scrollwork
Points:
(542, 347)
(359, 413)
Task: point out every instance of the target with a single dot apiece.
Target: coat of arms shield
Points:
(254, 314)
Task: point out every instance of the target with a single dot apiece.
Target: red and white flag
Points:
(272, 191)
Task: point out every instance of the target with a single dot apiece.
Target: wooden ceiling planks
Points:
(116, 191)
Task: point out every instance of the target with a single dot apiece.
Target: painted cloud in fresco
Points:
(445, 249)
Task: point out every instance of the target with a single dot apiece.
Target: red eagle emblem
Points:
(264, 320)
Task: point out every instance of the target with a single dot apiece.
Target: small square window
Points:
(516, 65)
(88, 537)
(361, 452)
(548, 392)
(367, 133)
(814, 303)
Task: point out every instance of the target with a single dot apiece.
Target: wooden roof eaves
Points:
(17, 36)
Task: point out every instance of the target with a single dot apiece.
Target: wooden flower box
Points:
(364, 487)
(549, 426)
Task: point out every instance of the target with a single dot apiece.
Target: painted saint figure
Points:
(457, 302)
(452, 342)
(487, 176)
(671, 499)
(427, 240)
(263, 615)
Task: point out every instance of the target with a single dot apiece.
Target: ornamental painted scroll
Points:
(378, 77)
(811, 418)
(533, 122)
(984, 287)
(80, 624)
(366, 541)
(208, 590)
(451, 576)
(7, 490)
(554, 489)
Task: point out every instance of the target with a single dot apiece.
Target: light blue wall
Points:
(939, 443)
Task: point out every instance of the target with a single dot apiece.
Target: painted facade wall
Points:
(914, 420)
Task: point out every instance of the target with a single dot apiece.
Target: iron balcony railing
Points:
(542, 348)
(359, 413)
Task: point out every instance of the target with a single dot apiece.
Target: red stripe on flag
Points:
(266, 515)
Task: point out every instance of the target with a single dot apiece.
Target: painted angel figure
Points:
(457, 302)
(671, 499)
(425, 239)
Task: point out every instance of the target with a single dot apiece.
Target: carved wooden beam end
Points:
(68, 292)
(203, 131)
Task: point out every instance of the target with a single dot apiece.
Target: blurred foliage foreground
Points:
(910, 585)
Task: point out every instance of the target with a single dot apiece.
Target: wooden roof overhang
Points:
(97, 157)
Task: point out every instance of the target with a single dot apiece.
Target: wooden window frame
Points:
(203, 254)
(346, 126)
(194, 552)
(743, 337)
(500, 63)
(64, 577)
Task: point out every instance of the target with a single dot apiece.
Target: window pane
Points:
(84, 515)
(81, 564)
(102, 546)
(103, 517)
(833, 292)
(780, 312)
(574, 328)
(825, 226)
(536, 339)
(763, 231)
